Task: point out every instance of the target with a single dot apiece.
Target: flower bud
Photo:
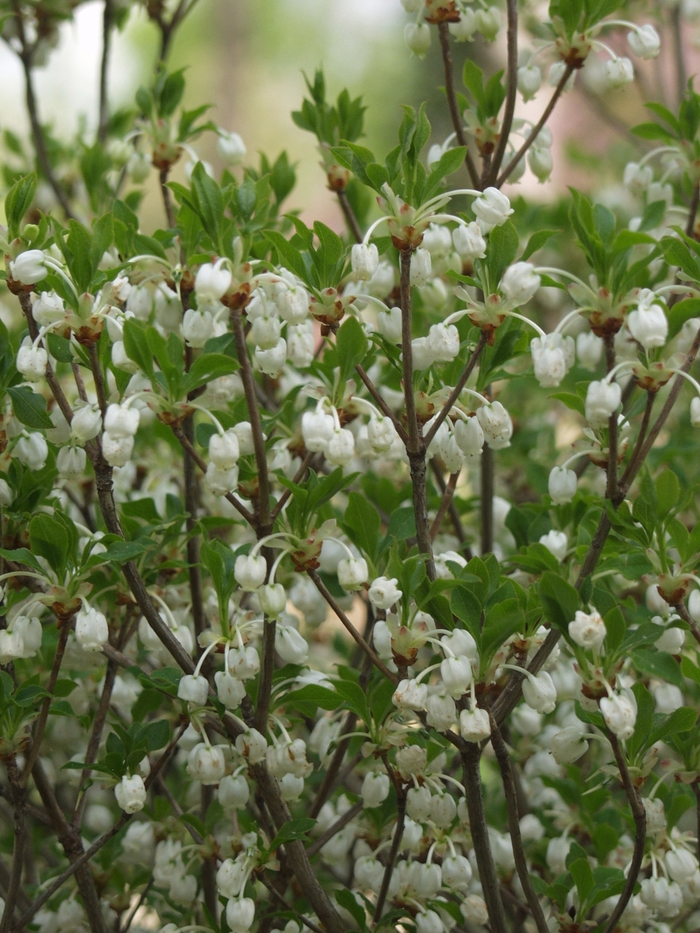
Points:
(206, 763)
(273, 599)
(121, 421)
(539, 692)
(474, 724)
(469, 242)
(32, 450)
(417, 38)
(644, 41)
(375, 788)
(71, 461)
(602, 401)
(197, 327)
(31, 361)
(131, 793)
(250, 571)
(290, 645)
(28, 268)
(496, 424)
(529, 81)
(421, 267)
(492, 208)
(365, 260)
(86, 424)
(230, 147)
(233, 792)
(562, 485)
(648, 326)
(618, 72)
(194, 689)
(352, 573)
(456, 675)
(240, 914)
(568, 745)
(410, 695)
(224, 450)
(91, 629)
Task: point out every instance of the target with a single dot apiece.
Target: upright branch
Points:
(511, 92)
(455, 115)
(107, 16)
(611, 484)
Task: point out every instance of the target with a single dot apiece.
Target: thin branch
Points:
(18, 792)
(455, 115)
(413, 444)
(104, 68)
(693, 209)
(167, 198)
(640, 823)
(510, 792)
(308, 923)
(341, 822)
(267, 670)
(471, 757)
(374, 392)
(512, 89)
(558, 91)
(325, 788)
(38, 138)
(296, 479)
(487, 488)
(369, 651)
(393, 852)
(444, 505)
(611, 485)
(456, 391)
(349, 215)
(678, 53)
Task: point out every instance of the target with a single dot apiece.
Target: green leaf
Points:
(207, 367)
(18, 200)
(658, 664)
(122, 551)
(559, 600)
(59, 348)
(294, 829)
(583, 878)
(500, 252)
(49, 539)
(170, 93)
(346, 899)
(363, 524)
(402, 524)
(208, 202)
(22, 556)
(680, 313)
(668, 491)
(29, 408)
(79, 248)
(351, 345)
(574, 402)
(136, 345)
(680, 720)
(537, 241)
(615, 628)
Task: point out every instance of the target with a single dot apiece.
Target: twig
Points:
(558, 91)
(509, 789)
(296, 479)
(444, 505)
(487, 475)
(137, 906)
(369, 651)
(414, 441)
(349, 215)
(693, 209)
(18, 793)
(640, 823)
(455, 393)
(38, 138)
(393, 852)
(342, 821)
(678, 53)
(512, 89)
(611, 485)
(455, 115)
(336, 761)
(471, 756)
(374, 392)
(104, 68)
(308, 923)
(167, 199)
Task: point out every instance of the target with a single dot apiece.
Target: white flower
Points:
(469, 242)
(648, 326)
(352, 573)
(71, 461)
(197, 327)
(384, 592)
(418, 803)
(441, 712)
(552, 357)
(568, 745)
(212, 282)
(637, 177)
(492, 209)
(301, 344)
(421, 267)
(529, 81)
(417, 38)
(410, 695)
(224, 450)
(252, 745)
(602, 401)
(230, 147)
(618, 72)
(31, 361)
(620, 714)
(194, 689)
(428, 921)
(290, 645)
(233, 792)
(488, 22)
(48, 309)
(230, 690)
(695, 411)
(557, 851)
(656, 815)
(562, 485)
(231, 874)
(375, 788)
(86, 423)
(206, 763)
(681, 865)
(273, 599)
(556, 543)
(341, 447)
(588, 630)
(28, 268)
(250, 571)
(644, 41)
(317, 429)
(221, 481)
(496, 424)
(456, 872)
(117, 451)
(456, 675)
(381, 434)
(539, 692)
(540, 162)
(121, 421)
(389, 325)
(474, 724)
(32, 450)
(589, 349)
(469, 436)
(131, 793)
(91, 629)
(240, 914)
(364, 260)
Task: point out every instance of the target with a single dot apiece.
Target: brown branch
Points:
(451, 94)
(349, 215)
(640, 823)
(456, 391)
(512, 89)
(369, 651)
(558, 91)
(487, 477)
(326, 785)
(296, 479)
(18, 794)
(444, 505)
(342, 821)
(611, 485)
(374, 392)
(104, 68)
(510, 792)
(393, 852)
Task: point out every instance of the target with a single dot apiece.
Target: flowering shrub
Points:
(333, 596)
